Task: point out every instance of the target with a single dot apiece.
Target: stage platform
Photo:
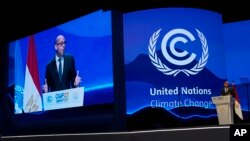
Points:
(215, 133)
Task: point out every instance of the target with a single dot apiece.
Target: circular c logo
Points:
(164, 68)
(172, 47)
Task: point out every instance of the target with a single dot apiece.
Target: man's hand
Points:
(77, 79)
(45, 87)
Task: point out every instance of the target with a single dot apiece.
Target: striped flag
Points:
(32, 101)
(237, 105)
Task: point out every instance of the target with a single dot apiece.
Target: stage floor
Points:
(208, 133)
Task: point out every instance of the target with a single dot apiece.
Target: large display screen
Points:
(174, 64)
(88, 39)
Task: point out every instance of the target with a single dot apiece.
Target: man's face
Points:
(60, 46)
(226, 84)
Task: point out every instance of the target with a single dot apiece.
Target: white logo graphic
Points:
(165, 69)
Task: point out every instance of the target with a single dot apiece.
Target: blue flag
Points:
(19, 80)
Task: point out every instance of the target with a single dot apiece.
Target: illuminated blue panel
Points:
(174, 58)
(237, 53)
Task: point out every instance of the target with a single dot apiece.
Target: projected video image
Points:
(69, 65)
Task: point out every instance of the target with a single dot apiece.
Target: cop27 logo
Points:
(165, 69)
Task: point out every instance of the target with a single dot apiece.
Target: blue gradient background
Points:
(139, 27)
(237, 54)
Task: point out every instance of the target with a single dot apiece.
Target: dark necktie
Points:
(60, 68)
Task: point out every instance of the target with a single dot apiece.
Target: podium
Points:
(224, 108)
(68, 98)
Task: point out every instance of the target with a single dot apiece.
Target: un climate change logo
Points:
(165, 69)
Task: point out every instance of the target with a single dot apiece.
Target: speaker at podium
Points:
(224, 108)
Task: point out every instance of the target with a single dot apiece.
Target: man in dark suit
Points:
(226, 90)
(60, 71)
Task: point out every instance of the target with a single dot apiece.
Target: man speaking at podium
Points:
(226, 90)
(60, 71)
